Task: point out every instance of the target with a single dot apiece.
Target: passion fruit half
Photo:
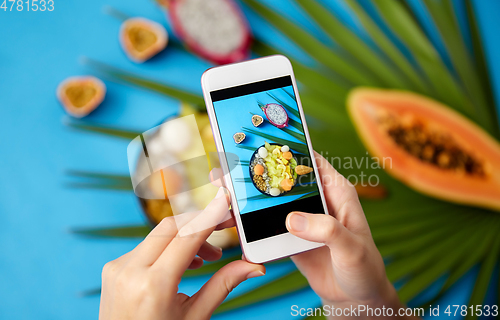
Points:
(81, 95)
(141, 39)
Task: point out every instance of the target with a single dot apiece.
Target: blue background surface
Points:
(42, 266)
(234, 114)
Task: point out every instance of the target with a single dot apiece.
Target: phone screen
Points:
(260, 124)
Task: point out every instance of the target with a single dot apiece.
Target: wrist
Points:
(388, 303)
(393, 302)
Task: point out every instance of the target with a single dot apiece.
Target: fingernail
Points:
(298, 222)
(254, 274)
(220, 193)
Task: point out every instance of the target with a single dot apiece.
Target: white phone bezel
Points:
(236, 74)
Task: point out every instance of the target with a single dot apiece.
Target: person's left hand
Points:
(143, 284)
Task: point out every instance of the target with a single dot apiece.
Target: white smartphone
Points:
(265, 153)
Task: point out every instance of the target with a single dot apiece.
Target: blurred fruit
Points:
(142, 39)
(215, 30)
(239, 137)
(428, 146)
(276, 115)
(185, 184)
(164, 182)
(258, 169)
(286, 184)
(257, 120)
(301, 169)
(81, 95)
(371, 192)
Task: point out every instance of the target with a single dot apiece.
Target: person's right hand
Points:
(349, 270)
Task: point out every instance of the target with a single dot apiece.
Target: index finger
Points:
(216, 179)
(148, 251)
(180, 252)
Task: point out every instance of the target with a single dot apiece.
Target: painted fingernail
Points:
(220, 193)
(254, 274)
(298, 222)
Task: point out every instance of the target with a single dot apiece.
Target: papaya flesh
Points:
(428, 146)
(141, 39)
(81, 95)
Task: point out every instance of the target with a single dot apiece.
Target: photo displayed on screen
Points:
(260, 124)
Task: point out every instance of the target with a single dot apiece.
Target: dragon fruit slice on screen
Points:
(213, 29)
(276, 114)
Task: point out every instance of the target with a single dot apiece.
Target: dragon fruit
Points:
(215, 30)
(276, 114)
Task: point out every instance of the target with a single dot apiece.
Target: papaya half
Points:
(81, 95)
(141, 39)
(428, 146)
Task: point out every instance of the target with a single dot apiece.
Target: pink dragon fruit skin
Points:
(276, 115)
(191, 35)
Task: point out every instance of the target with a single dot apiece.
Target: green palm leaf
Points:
(102, 129)
(324, 85)
(96, 180)
(481, 250)
(145, 83)
(319, 108)
(388, 75)
(388, 48)
(444, 17)
(479, 57)
(313, 47)
(90, 292)
(416, 262)
(419, 241)
(469, 259)
(100, 185)
(299, 147)
(296, 135)
(241, 146)
(133, 231)
(484, 277)
(316, 316)
(421, 280)
(408, 32)
(289, 94)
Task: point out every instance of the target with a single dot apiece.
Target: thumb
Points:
(322, 228)
(213, 293)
